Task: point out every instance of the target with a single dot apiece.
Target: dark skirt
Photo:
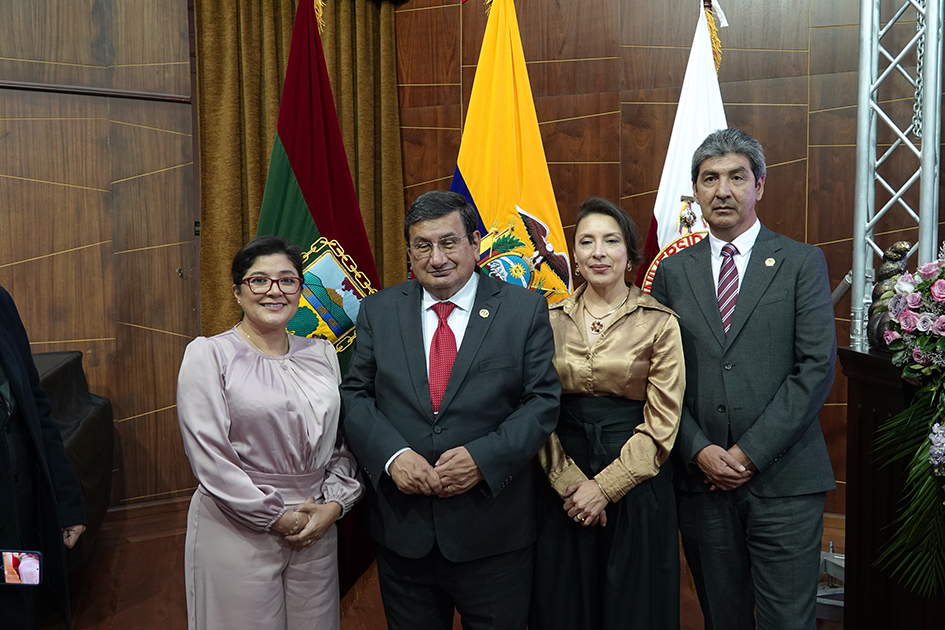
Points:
(623, 576)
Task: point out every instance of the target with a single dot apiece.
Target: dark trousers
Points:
(18, 521)
(490, 593)
(753, 555)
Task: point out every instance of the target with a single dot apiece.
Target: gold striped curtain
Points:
(242, 49)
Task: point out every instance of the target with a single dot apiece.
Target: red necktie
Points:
(442, 354)
(728, 286)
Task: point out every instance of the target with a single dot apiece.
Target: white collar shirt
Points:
(743, 243)
(457, 320)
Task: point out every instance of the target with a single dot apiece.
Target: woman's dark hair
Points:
(264, 246)
(599, 205)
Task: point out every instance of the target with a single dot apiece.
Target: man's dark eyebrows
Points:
(738, 170)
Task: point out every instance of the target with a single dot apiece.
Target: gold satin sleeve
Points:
(639, 357)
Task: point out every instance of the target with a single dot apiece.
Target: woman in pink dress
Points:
(258, 412)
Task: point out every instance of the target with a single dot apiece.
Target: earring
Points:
(629, 266)
(577, 270)
(238, 302)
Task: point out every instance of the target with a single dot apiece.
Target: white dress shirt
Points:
(743, 243)
(457, 321)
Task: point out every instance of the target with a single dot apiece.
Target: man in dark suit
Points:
(445, 437)
(41, 505)
(758, 335)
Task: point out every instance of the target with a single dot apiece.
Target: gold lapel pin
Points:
(484, 313)
(769, 262)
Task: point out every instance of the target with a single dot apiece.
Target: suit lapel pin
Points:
(484, 313)
(769, 262)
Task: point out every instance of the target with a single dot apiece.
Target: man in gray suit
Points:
(450, 393)
(758, 335)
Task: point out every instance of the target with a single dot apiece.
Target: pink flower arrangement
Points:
(930, 269)
(938, 327)
(916, 334)
(915, 553)
(908, 321)
(919, 357)
(937, 290)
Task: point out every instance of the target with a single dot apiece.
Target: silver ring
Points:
(309, 543)
(449, 489)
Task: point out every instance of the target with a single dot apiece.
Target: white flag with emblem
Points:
(699, 113)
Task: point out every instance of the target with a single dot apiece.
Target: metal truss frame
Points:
(920, 141)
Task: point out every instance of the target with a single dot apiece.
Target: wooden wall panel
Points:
(791, 89)
(832, 175)
(653, 24)
(152, 452)
(848, 13)
(741, 66)
(828, 91)
(575, 76)
(788, 77)
(75, 300)
(649, 68)
(553, 25)
(427, 47)
(587, 137)
(98, 196)
(783, 207)
(80, 214)
(645, 130)
(572, 181)
(412, 96)
(758, 25)
(129, 45)
(81, 161)
(429, 153)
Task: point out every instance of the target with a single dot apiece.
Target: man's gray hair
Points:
(731, 140)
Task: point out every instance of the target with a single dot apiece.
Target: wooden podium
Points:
(872, 600)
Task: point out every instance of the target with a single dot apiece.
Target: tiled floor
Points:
(138, 584)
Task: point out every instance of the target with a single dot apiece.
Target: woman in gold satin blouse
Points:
(607, 553)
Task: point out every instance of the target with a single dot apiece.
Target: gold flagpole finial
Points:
(320, 15)
(713, 35)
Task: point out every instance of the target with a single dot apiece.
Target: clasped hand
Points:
(315, 520)
(585, 503)
(454, 473)
(724, 470)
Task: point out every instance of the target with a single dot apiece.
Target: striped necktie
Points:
(728, 286)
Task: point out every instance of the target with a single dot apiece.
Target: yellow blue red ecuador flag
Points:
(502, 170)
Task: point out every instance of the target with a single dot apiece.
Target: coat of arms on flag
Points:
(331, 295)
(506, 256)
(502, 171)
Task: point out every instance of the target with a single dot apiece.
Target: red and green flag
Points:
(310, 199)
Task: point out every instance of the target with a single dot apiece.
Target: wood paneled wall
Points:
(606, 77)
(97, 194)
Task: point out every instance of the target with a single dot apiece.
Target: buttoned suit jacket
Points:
(59, 501)
(767, 379)
(501, 403)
